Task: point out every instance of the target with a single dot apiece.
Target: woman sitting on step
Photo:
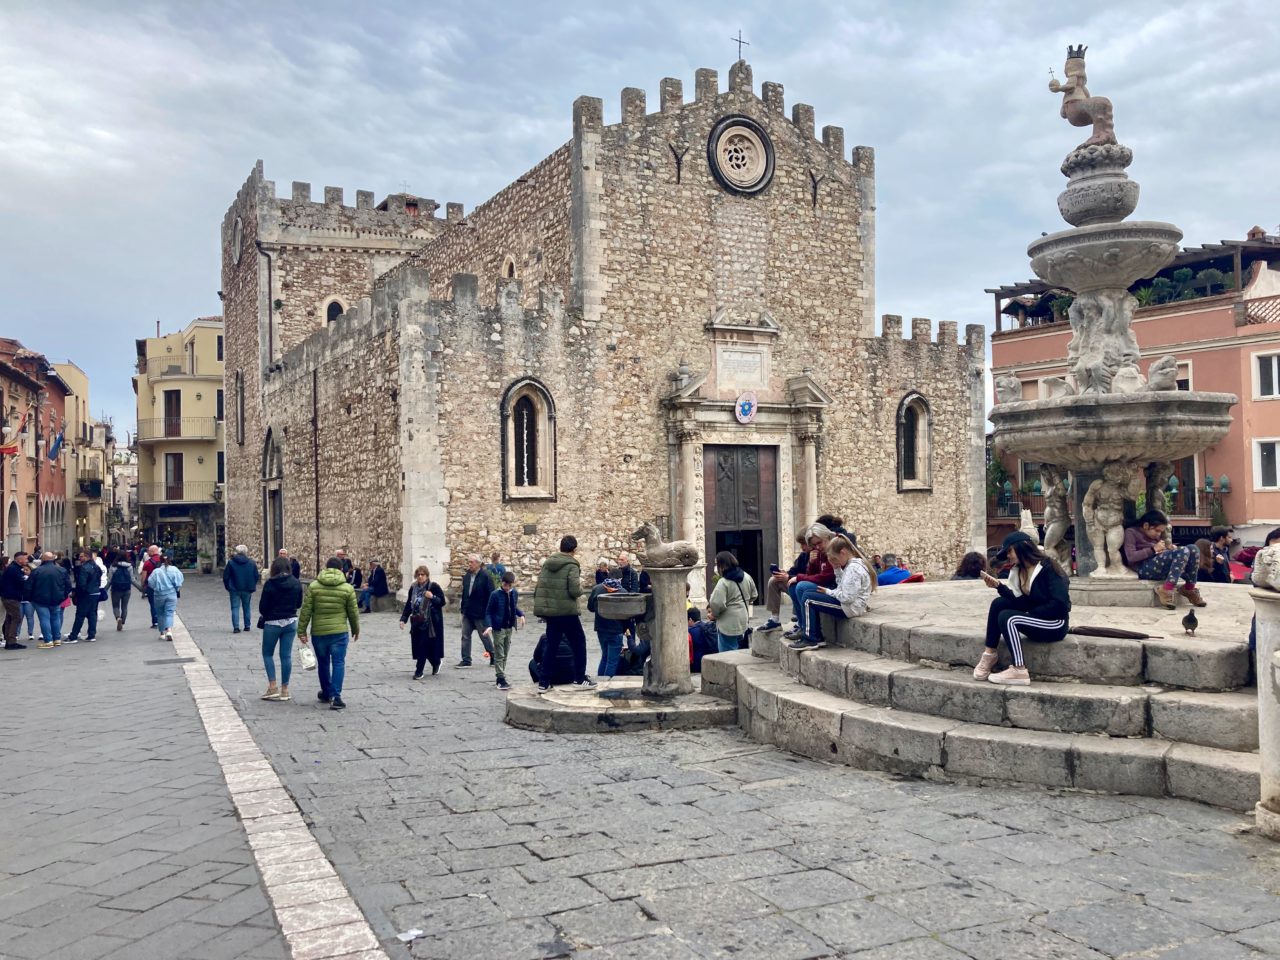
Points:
(848, 598)
(1152, 557)
(1033, 605)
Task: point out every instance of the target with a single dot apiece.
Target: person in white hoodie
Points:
(848, 598)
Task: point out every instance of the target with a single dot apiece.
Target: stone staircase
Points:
(1170, 716)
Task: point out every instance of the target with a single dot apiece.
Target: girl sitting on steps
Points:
(1033, 605)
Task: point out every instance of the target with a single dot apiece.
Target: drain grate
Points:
(155, 663)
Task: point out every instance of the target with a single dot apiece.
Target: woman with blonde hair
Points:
(848, 598)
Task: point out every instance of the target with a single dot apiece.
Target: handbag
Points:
(307, 656)
(744, 643)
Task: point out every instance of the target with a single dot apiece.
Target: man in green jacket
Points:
(329, 607)
(555, 599)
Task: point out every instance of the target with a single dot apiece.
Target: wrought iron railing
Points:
(178, 491)
(177, 428)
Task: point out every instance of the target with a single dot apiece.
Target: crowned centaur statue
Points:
(1078, 108)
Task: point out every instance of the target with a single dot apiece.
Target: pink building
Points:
(1216, 308)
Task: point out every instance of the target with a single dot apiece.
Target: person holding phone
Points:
(776, 585)
(1034, 604)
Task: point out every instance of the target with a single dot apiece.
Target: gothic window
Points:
(915, 453)
(333, 310)
(239, 408)
(528, 442)
(509, 268)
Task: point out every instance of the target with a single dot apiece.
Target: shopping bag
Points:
(307, 656)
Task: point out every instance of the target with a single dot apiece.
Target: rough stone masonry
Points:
(669, 318)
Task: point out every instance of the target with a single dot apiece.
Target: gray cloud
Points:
(125, 130)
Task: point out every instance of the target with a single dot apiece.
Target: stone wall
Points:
(524, 226)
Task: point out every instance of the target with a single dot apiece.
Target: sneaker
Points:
(795, 633)
(168, 635)
(586, 683)
(47, 645)
(284, 695)
(1166, 597)
(57, 643)
(804, 643)
(119, 624)
(337, 704)
(544, 688)
(92, 639)
(235, 629)
(1192, 593)
(323, 697)
(771, 624)
(502, 684)
(435, 670)
(31, 639)
(71, 640)
(417, 676)
(1015, 676)
(463, 663)
(16, 646)
(270, 695)
(988, 660)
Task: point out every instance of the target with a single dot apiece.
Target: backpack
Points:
(121, 578)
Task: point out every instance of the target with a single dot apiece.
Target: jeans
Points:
(1173, 563)
(569, 628)
(501, 644)
(284, 636)
(240, 600)
(120, 604)
(362, 598)
(331, 661)
(29, 614)
(468, 625)
(610, 649)
(151, 605)
(50, 622)
(725, 643)
(798, 593)
(86, 612)
(164, 606)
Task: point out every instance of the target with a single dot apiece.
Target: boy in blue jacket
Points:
(502, 615)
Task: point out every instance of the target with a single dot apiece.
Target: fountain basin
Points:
(1082, 433)
(1104, 256)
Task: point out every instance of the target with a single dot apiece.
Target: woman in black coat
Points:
(278, 616)
(424, 612)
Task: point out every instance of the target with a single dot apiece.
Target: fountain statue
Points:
(1104, 423)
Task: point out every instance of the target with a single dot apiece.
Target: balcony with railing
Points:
(179, 491)
(177, 428)
(90, 482)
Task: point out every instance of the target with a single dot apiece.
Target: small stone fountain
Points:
(1116, 431)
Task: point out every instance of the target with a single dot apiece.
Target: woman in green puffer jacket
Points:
(329, 608)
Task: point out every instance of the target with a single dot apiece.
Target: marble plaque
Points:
(742, 366)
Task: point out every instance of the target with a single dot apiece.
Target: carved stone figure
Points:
(1055, 387)
(1163, 374)
(1102, 342)
(1103, 510)
(1056, 517)
(657, 553)
(1079, 108)
(1008, 389)
(1266, 567)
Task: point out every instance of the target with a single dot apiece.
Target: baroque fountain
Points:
(1113, 432)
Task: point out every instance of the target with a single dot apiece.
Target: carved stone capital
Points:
(688, 434)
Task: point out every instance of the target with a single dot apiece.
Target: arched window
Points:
(333, 310)
(509, 268)
(528, 442)
(915, 453)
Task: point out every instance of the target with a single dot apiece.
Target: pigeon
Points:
(1189, 622)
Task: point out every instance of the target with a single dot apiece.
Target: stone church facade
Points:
(670, 319)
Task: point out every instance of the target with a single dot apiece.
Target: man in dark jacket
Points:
(240, 577)
(555, 599)
(295, 568)
(11, 584)
(474, 602)
(87, 595)
(50, 585)
(1220, 545)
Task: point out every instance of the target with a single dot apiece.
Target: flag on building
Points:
(12, 448)
(56, 447)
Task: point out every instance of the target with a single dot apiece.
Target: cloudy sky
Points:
(126, 128)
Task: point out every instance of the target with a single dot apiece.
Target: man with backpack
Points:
(121, 586)
(555, 599)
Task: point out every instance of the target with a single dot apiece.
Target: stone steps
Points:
(780, 709)
(1227, 721)
(1173, 661)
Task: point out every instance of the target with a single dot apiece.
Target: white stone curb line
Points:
(317, 915)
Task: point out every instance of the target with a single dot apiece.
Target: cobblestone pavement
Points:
(506, 844)
(118, 838)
